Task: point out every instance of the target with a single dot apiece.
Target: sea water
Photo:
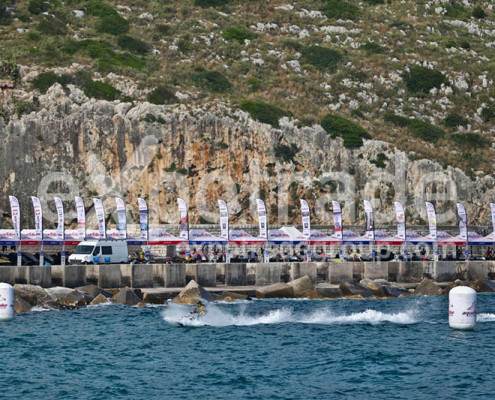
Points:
(262, 349)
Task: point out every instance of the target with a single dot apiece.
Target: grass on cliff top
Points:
(420, 80)
(213, 81)
(352, 133)
(90, 87)
(323, 58)
(421, 129)
(162, 95)
(264, 112)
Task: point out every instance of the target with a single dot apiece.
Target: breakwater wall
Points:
(255, 274)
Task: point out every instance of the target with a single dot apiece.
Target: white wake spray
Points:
(181, 315)
(485, 317)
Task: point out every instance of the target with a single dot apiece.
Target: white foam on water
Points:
(180, 315)
(485, 317)
(41, 309)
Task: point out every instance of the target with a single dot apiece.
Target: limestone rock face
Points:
(192, 293)
(89, 145)
(427, 288)
(277, 290)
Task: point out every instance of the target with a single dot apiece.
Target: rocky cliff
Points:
(76, 145)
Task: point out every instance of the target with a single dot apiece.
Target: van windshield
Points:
(83, 249)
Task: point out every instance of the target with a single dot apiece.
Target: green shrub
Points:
(421, 80)
(418, 128)
(292, 44)
(9, 70)
(164, 29)
(397, 120)
(352, 133)
(285, 153)
(322, 58)
(488, 113)
(162, 95)
(96, 89)
(107, 59)
(456, 10)
(380, 160)
(5, 16)
(38, 6)
(425, 131)
(26, 107)
(453, 120)
(375, 2)
(238, 33)
(113, 24)
(98, 8)
(100, 90)
(264, 112)
(339, 9)
(134, 45)
(473, 140)
(463, 44)
(46, 80)
(52, 26)
(152, 119)
(478, 12)
(372, 48)
(211, 80)
(211, 3)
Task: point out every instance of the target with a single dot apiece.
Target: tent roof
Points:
(320, 237)
(353, 237)
(239, 237)
(8, 237)
(286, 234)
(474, 238)
(201, 236)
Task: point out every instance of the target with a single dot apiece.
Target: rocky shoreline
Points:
(28, 297)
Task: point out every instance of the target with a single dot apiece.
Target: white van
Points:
(100, 252)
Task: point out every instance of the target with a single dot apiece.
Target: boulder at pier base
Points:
(100, 299)
(428, 288)
(66, 297)
(303, 287)
(126, 296)
(277, 290)
(192, 293)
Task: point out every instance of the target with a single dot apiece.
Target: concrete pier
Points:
(109, 276)
(235, 274)
(340, 272)
(174, 275)
(268, 274)
(142, 276)
(378, 270)
(40, 276)
(298, 270)
(240, 274)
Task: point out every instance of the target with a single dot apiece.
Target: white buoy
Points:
(6, 301)
(462, 307)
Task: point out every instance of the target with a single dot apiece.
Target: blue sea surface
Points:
(263, 349)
